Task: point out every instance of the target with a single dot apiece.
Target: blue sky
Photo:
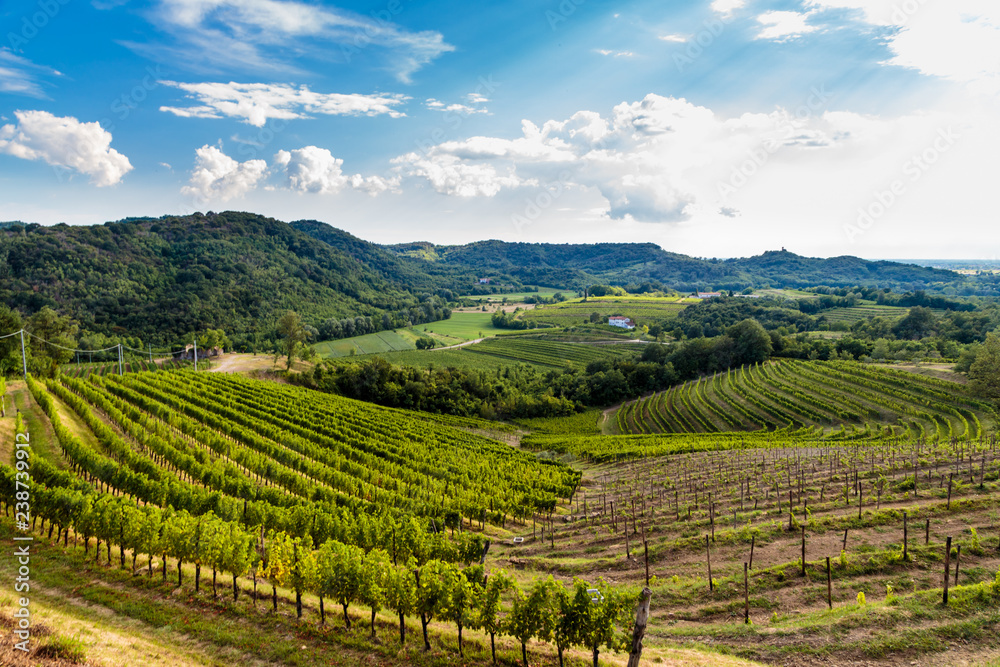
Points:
(712, 127)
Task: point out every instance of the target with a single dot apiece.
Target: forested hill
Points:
(161, 278)
(404, 272)
(621, 263)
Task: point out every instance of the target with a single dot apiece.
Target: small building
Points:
(188, 353)
(708, 295)
(484, 281)
(619, 321)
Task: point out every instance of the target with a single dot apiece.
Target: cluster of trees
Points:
(431, 308)
(522, 391)
(504, 320)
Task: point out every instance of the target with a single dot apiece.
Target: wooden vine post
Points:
(641, 618)
(947, 571)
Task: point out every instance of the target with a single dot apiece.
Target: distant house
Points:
(484, 281)
(623, 322)
(188, 353)
(708, 295)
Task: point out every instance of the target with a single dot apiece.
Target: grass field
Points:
(461, 327)
(642, 310)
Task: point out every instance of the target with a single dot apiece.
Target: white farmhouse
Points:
(623, 322)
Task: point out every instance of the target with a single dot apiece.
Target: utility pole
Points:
(24, 358)
(119, 359)
(150, 353)
(196, 353)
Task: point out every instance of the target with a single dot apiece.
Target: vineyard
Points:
(321, 496)
(779, 541)
(785, 549)
(852, 314)
(643, 310)
(834, 399)
(544, 351)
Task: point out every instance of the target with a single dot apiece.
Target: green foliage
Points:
(861, 599)
(984, 373)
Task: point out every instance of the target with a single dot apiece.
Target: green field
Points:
(461, 327)
(642, 310)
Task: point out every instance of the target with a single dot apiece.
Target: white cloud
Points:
(659, 159)
(474, 99)
(679, 39)
(616, 54)
(316, 170)
(449, 175)
(267, 35)
(19, 76)
(727, 6)
(256, 103)
(218, 177)
(957, 40)
(782, 26)
(65, 142)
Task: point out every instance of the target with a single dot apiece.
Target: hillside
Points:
(160, 278)
(621, 263)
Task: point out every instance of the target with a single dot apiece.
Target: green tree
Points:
(374, 581)
(291, 331)
(345, 584)
(984, 373)
(751, 342)
(600, 625)
(532, 615)
(52, 338)
(432, 593)
(489, 607)
(401, 593)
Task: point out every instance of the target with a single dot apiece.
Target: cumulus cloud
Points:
(783, 25)
(256, 103)
(65, 142)
(675, 38)
(957, 40)
(316, 170)
(659, 159)
(727, 6)
(615, 54)
(268, 35)
(218, 177)
(449, 175)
